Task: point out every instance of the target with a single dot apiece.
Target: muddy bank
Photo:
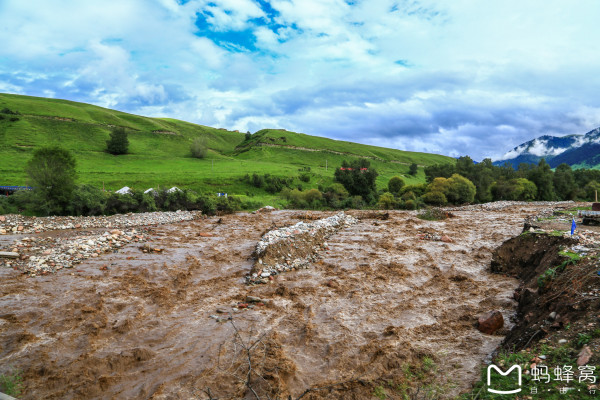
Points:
(383, 310)
(556, 274)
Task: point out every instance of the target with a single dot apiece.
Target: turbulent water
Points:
(138, 325)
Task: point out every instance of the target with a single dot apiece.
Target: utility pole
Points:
(596, 196)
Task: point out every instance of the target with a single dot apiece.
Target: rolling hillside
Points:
(160, 149)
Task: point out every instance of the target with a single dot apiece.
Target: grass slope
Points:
(160, 150)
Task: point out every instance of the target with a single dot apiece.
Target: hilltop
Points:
(160, 150)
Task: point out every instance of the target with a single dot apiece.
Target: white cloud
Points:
(471, 77)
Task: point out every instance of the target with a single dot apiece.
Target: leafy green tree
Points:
(542, 176)
(395, 184)
(413, 169)
(461, 190)
(387, 201)
(439, 171)
(118, 142)
(520, 189)
(564, 182)
(199, 148)
(52, 175)
(358, 179)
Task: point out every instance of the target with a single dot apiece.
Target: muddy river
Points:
(138, 325)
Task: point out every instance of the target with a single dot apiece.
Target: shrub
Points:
(435, 198)
(410, 205)
(418, 190)
(87, 200)
(304, 177)
(387, 201)
(121, 204)
(228, 205)
(395, 184)
(433, 214)
(118, 142)
(312, 195)
(12, 383)
(199, 148)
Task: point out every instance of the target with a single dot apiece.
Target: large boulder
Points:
(490, 322)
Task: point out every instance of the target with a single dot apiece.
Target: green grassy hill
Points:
(160, 150)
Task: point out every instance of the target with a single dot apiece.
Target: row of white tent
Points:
(127, 190)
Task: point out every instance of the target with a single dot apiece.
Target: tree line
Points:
(527, 182)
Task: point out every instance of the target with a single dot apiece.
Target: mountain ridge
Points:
(577, 150)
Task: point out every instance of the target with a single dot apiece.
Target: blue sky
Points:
(454, 77)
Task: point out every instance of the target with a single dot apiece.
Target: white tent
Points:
(124, 190)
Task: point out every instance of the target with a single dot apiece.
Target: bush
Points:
(118, 142)
(199, 148)
(433, 214)
(410, 205)
(6, 207)
(435, 198)
(395, 184)
(87, 200)
(12, 383)
(387, 201)
(304, 177)
(418, 190)
(312, 195)
(121, 203)
(207, 204)
(228, 205)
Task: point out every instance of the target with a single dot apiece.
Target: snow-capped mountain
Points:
(575, 150)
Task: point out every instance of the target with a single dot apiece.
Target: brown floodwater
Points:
(379, 298)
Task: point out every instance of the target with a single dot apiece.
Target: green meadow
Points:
(159, 150)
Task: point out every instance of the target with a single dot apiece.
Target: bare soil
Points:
(137, 325)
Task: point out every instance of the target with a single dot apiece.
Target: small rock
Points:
(446, 239)
(491, 322)
(20, 228)
(584, 356)
(562, 341)
(221, 311)
(553, 315)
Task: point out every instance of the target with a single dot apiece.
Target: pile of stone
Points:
(44, 255)
(293, 247)
(19, 224)
(435, 238)
(501, 205)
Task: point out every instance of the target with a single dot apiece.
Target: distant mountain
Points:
(575, 150)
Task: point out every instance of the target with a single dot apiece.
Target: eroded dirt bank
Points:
(379, 302)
